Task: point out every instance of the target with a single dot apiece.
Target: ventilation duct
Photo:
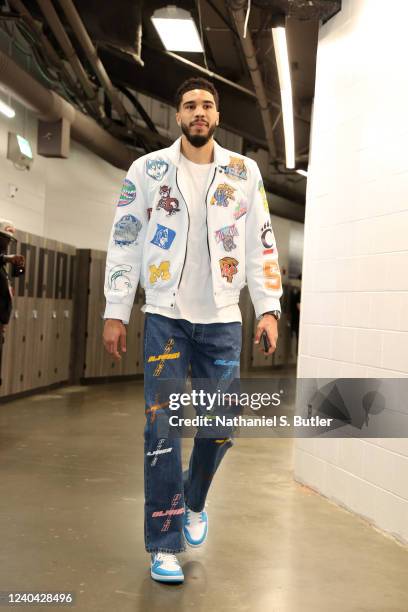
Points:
(117, 24)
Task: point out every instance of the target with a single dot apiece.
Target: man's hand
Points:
(17, 260)
(269, 325)
(114, 337)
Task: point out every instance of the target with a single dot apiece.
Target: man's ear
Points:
(178, 119)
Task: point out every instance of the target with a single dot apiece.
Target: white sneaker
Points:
(165, 567)
(195, 527)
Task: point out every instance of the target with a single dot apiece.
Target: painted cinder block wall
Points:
(354, 319)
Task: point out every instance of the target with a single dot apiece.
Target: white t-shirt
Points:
(195, 300)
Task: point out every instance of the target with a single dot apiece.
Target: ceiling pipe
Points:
(53, 57)
(87, 45)
(250, 56)
(210, 73)
(62, 37)
(51, 107)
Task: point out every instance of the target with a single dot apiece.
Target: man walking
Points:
(193, 226)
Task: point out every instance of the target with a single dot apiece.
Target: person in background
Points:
(7, 234)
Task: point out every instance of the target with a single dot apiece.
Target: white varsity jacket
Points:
(149, 234)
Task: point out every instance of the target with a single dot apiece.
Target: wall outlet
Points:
(12, 191)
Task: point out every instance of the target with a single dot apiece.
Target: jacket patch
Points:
(118, 281)
(170, 205)
(236, 169)
(163, 237)
(223, 194)
(162, 271)
(128, 193)
(272, 274)
(239, 211)
(156, 168)
(126, 230)
(261, 190)
(229, 267)
(268, 239)
(226, 236)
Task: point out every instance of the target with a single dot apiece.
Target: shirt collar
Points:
(221, 155)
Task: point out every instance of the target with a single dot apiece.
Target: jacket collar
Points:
(221, 155)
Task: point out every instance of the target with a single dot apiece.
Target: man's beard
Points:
(197, 140)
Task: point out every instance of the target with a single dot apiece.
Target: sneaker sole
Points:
(161, 578)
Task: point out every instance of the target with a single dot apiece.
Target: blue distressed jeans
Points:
(171, 348)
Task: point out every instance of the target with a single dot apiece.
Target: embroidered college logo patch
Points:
(222, 195)
(170, 205)
(261, 190)
(226, 236)
(267, 238)
(162, 271)
(236, 168)
(118, 281)
(229, 267)
(272, 274)
(156, 168)
(240, 211)
(128, 193)
(163, 237)
(126, 230)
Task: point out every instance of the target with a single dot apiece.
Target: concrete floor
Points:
(71, 511)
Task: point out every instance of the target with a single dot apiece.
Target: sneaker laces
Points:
(194, 517)
(161, 556)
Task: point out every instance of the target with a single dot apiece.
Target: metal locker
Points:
(40, 366)
(280, 355)
(51, 313)
(31, 252)
(19, 346)
(61, 290)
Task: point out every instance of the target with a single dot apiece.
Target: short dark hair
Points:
(195, 83)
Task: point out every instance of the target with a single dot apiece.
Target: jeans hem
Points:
(157, 549)
(193, 510)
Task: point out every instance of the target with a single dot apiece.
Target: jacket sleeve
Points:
(261, 254)
(124, 256)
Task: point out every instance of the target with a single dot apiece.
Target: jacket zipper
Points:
(188, 229)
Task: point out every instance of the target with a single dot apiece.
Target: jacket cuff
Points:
(265, 305)
(117, 311)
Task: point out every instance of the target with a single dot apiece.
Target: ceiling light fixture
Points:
(6, 110)
(285, 84)
(177, 29)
